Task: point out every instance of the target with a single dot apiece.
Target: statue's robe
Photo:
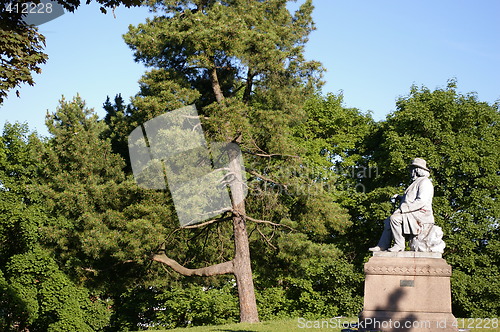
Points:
(416, 205)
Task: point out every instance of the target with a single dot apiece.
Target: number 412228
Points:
(29, 8)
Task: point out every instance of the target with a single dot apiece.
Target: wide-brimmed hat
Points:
(420, 163)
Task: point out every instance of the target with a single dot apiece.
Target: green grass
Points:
(314, 325)
(271, 326)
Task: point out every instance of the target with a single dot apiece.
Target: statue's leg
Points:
(413, 242)
(396, 221)
(386, 237)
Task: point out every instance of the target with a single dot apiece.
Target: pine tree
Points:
(242, 63)
(97, 226)
(36, 294)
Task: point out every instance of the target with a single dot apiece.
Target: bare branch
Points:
(269, 155)
(265, 178)
(88, 269)
(265, 154)
(235, 91)
(212, 270)
(269, 223)
(197, 125)
(169, 236)
(215, 212)
(255, 144)
(95, 272)
(166, 270)
(266, 239)
(207, 222)
(220, 243)
(195, 117)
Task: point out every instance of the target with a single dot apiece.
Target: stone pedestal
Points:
(407, 291)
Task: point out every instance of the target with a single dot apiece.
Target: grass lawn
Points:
(271, 326)
(326, 324)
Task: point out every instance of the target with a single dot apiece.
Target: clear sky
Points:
(373, 50)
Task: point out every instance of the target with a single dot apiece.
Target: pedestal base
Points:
(407, 292)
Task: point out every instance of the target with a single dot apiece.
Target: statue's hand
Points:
(394, 198)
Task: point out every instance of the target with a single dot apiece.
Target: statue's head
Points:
(418, 168)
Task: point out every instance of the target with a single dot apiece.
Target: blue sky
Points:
(373, 52)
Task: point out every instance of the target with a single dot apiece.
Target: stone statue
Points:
(414, 218)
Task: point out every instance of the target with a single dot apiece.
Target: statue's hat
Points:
(420, 163)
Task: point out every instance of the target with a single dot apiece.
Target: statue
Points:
(414, 217)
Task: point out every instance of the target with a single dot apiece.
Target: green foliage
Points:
(315, 280)
(19, 216)
(160, 90)
(273, 303)
(194, 40)
(99, 225)
(177, 306)
(117, 129)
(332, 132)
(134, 308)
(194, 305)
(42, 297)
(36, 294)
(475, 293)
(17, 163)
(19, 225)
(21, 53)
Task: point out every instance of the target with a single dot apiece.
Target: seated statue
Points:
(414, 218)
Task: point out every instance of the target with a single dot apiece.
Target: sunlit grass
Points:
(326, 324)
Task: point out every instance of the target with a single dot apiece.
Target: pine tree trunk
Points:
(248, 86)
(214, 80)
(243, 273)
(242, 265)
